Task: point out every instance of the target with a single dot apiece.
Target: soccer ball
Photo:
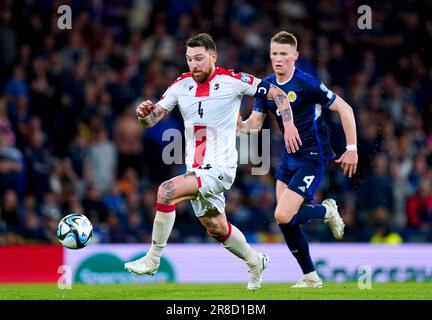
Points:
(74, 231)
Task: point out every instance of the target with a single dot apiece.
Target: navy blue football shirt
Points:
(307, 96)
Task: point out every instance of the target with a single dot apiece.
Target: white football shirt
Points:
(210, 111)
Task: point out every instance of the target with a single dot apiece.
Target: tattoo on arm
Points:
(280, 100)
(154, 117)
(286, 115)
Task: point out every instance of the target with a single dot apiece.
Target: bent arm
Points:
(149, 114)
(281, 100)
(349, 159)
(252, 124)
(291, 135)
(346, 115)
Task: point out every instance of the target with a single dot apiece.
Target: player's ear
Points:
(213, 56)
(296, 55)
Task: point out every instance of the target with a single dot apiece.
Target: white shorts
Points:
(213, 182)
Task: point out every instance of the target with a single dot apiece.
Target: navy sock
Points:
(307, 213)
(298, 245)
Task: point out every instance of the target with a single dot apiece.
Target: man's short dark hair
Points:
(285, 37)
(202, 40)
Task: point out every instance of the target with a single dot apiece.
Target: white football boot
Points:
(144, 265)
(333, 219)
(308, 283)
(255, 273)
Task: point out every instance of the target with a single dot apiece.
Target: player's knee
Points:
(283, 217)
(216, 231)
(166, 191)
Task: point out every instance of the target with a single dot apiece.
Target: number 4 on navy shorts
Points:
(302, 177)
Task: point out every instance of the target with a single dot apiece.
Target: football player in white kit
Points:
(209, 99)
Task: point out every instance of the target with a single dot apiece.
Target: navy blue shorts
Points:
(301, 175)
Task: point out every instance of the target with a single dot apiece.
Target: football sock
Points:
(162, 226)
(298, 245)
(308, 212)
(235, 242)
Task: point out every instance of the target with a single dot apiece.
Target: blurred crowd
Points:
(70, 141)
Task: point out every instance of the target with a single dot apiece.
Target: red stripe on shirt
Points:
(200, 145)
(203, 90)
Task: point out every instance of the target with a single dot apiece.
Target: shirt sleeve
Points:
(260, 105)
(169, 98)
(323, 95)
(246, 84)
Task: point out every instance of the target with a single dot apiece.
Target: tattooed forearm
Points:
(281, 102)
(154, 117)
(286, 115)
(166, 192)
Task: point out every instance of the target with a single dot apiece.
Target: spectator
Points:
(9, 209)
(377, 187)
(93, 206)
(419, 206)
(383, 232)
(38, 166)
(11, 166)
(101, 160)
(128, 140)
(136, 231)
(32, 229)
(385, 235)
(8, 41)
(5, 124)
(116, 233)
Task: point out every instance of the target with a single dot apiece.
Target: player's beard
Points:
(203, 75)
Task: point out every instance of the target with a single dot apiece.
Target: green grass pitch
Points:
(172, 291)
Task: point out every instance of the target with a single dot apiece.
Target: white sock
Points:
(162, 227)
(236, 244)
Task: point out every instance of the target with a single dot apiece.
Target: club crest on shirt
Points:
(245, 77)
(292, 96)
(216, 86)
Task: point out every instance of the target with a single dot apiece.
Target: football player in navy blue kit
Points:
(299, 174)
